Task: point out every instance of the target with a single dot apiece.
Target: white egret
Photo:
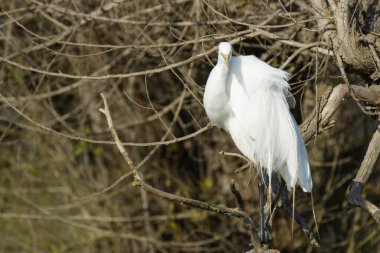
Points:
(250, 100)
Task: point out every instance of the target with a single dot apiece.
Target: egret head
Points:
(224, 52)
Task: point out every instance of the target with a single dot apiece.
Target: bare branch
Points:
(299, 219)
(178, 199)
(367, 95)
(322, 113)
(355, 195)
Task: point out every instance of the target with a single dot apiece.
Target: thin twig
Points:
(48, 130)
(235, 191)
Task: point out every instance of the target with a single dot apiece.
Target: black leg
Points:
(262, 214)
(299, 219)
(277, 192)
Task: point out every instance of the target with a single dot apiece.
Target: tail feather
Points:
(290, 143)
(304, 175)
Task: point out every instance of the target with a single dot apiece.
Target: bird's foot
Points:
(265, 235)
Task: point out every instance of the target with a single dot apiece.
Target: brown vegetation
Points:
(65, 186)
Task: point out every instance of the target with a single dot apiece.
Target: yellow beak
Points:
(225, 58)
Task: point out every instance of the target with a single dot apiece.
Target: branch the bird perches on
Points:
(314, 124)
(238, 212)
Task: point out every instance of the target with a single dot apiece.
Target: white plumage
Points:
(250, 100)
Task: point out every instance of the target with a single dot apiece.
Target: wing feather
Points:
(258, 97)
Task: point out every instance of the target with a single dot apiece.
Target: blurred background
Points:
(64, 187)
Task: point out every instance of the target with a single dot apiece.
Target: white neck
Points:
(215, 97)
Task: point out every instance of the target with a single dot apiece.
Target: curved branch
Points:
(179, 199)
(355, 197)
